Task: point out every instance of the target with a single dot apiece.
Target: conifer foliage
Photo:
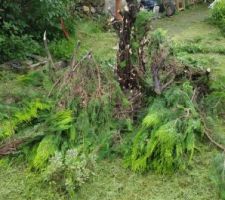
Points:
(165, 140)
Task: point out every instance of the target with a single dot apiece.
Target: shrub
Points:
(71, 171)
(218, 15)
(22, 22)
(17, 47)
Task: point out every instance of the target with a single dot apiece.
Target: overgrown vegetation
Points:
(218, 15)
(151, 108)
(165, 140)
(24, 22)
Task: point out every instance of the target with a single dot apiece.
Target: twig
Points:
(167, 84)
(194, 94)
(38, 64)
(73, 60)
(98, 74)
(47, 50)
(67, 72)
(81, 60)
(208, 132)
(66, 33)
(55, 84)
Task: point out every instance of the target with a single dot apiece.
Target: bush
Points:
(218, 15)
(34, 17)
(71, 171)
(24, 22)
(17, 47)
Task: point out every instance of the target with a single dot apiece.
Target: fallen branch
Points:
(38, 64)
(10, 147)
(208, 132)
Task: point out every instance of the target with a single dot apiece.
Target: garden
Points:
(92, 107)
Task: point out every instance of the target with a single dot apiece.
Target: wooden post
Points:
(180, 4)
(118, 9)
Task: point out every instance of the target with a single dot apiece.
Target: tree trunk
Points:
(125, 69)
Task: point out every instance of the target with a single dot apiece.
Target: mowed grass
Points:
(114, 182)
(191, 26)
(18, 183)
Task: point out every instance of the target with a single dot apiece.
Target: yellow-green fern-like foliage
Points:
(27, 114)
(43, 129)
(165, 140)
(59, 133)
(46, 148)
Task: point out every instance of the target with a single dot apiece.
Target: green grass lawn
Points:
(113, 182)
(192, 26)
(18, 183)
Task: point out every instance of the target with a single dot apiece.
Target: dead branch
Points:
(10, 147)
(38, 64)
(65, 75)
(208, 132)
(63, 27)
(73, 60)
(47, 51)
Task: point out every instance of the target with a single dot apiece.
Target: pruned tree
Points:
(125, 68)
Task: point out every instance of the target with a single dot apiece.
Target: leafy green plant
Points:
(24, 22)
(62, 48)
(26, 115)
(17, 47)
(215, 100)
(71, 171)
(57, 134)
(218, 15)
(165, 140)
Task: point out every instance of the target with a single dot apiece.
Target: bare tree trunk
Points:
(125, 69)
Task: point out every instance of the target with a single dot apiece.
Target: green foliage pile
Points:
(84, 111)
(10, 126)
(79, 114)
(166, 138)
(218, 15)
